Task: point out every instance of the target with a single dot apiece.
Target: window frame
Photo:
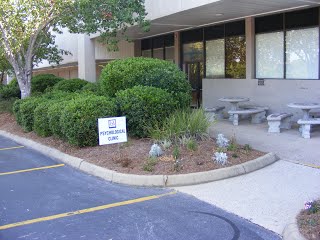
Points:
(284, 31)
(203, 38)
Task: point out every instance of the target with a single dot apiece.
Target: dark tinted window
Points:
(158, 42)
(214, 32)
(235, 28)
(195, 35)
(303, 18)
(271, 23)
(169, 40)
(146, 44)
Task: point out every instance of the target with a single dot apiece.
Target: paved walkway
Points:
(274, 195)
(41, 198)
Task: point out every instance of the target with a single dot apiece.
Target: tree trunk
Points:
(24, 81)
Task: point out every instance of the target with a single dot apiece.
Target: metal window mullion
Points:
(285, 47)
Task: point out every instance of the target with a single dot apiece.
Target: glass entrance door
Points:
(193, 66)
(194, 72)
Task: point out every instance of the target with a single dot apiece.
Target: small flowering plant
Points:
(312, 207)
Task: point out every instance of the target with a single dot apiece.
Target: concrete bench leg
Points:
(286, 123)
(274, 126)
(235, 119)
(258, 117)
(305, 130)
(219, 114)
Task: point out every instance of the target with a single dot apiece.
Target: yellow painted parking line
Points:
(10, 148)
(87, 210)
(312, 166)
(32, 169)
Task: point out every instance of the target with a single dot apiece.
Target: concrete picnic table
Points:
(234, 101)
(305, 107)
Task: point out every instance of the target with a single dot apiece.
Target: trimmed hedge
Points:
(144, 108)
(127, 73)
(54, 114)
(70, 85)
(41, 121)
(26, 112)
(11, 90)
(91, 87)
(79, 118)
(16, 110)
(41, 82)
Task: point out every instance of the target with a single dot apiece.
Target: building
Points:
(267, 50)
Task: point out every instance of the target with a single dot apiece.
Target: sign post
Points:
(112, 130)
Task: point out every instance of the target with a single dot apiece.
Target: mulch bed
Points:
(132, 156)
(309, 224)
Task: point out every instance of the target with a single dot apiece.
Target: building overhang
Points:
(217, 12)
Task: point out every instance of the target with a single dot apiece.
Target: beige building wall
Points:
(65, 72)
(126, 49)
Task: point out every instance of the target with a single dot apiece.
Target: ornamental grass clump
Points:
(183, 124)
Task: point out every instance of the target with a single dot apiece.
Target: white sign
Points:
(112, 130)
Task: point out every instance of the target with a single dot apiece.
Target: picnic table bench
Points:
(258, 115)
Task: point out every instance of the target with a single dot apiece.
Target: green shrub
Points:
(79, 119)
(16, 110)
(144, 107)
(127, 73)
(91, 87)
(70, 85)
(6, 105)
(41, 82)
(183, 124)
(54, 113)
(41, 124)
(11, 90)
(26, 112)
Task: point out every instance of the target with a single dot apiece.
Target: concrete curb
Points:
(291, 232)
(147, 180)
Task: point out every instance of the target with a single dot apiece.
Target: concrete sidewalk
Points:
(288, 145)
(273, 196)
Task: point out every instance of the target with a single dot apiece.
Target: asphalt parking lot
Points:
(41, 198)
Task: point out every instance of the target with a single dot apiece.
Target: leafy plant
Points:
(192, 144)
(127, 73)
(222, 141)
(176, 152)
(247, 148)
(233, 146)
(150, 164)
(166, 144)
(155, 151)
(144, 108)
(41, 121)
(220, 158)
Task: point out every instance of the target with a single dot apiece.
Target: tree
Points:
(27, 28)
(5, 66)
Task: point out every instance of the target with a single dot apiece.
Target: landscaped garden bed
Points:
(165, 135)
(133, 156)
(309, 220)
